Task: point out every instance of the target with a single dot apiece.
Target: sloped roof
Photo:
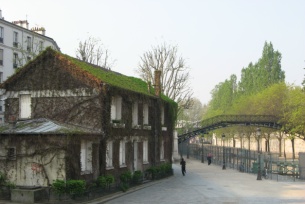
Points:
(42, 126)
(90, 72)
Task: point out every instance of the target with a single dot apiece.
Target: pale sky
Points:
(217, 38)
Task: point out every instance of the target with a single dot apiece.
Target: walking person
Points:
(182, 163)
(209, 158)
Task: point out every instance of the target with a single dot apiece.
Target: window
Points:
(28, 58)
(29, 44)
(145, 151)
(11, 153)
(1, 77)
(15, 60)
(162, 115)
(122, 153)
(15, 40)
(40, 46)
(1, 34)
(1, 57)
(162, 150)
(86, 157)
(145, 114)
(116, 108)
(1, 105)
(25, 106)
(135, 114)
(109, 154)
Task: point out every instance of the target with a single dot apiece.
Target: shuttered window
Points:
(25, 106)
(86, 157)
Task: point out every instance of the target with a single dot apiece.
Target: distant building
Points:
(18, 45)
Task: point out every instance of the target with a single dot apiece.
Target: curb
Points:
(121, 193)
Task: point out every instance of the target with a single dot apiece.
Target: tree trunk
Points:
(293, 150)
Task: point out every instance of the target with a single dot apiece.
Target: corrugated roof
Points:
(41, 126)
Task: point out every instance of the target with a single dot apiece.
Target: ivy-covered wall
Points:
(63, 93)
(41, 159)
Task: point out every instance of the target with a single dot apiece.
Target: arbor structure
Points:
(175, 74)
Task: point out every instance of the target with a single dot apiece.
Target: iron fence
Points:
(271, 165)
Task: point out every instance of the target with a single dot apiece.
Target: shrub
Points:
(125, 177)
(101, 181)
(76, 187)
(59, 187)
(2, 178)
(137, 176)
(124, 187)
(109, 180)
(153, 171)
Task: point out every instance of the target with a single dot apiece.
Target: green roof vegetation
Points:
(113, 78)
(116, 79)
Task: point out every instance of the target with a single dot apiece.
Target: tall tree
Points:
(175, 76)
(223, 96)
(265, 72)
(190, 117)
(93, 51)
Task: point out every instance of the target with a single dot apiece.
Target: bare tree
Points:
(174, 73)
(93, 51)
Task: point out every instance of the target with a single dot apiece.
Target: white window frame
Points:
(109, 154)
(25, 106)
(145, 114)
(162, 150)
(145, 151)
(86, 156)
(122, 153)
(135, 110)
(116, 108)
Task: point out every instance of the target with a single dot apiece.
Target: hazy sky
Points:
(217, 37)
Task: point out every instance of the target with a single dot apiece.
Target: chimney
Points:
(40, 30)
(158, 83)
(24, 24)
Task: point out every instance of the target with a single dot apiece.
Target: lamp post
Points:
(223, 152)
(202, 157)
(259, 172)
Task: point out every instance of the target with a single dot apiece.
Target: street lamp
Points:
(202, 157)
(223, 152)
(259, 172)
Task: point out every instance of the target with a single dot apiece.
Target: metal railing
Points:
(272, 166)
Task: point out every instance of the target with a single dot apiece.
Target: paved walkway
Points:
(210, 184)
